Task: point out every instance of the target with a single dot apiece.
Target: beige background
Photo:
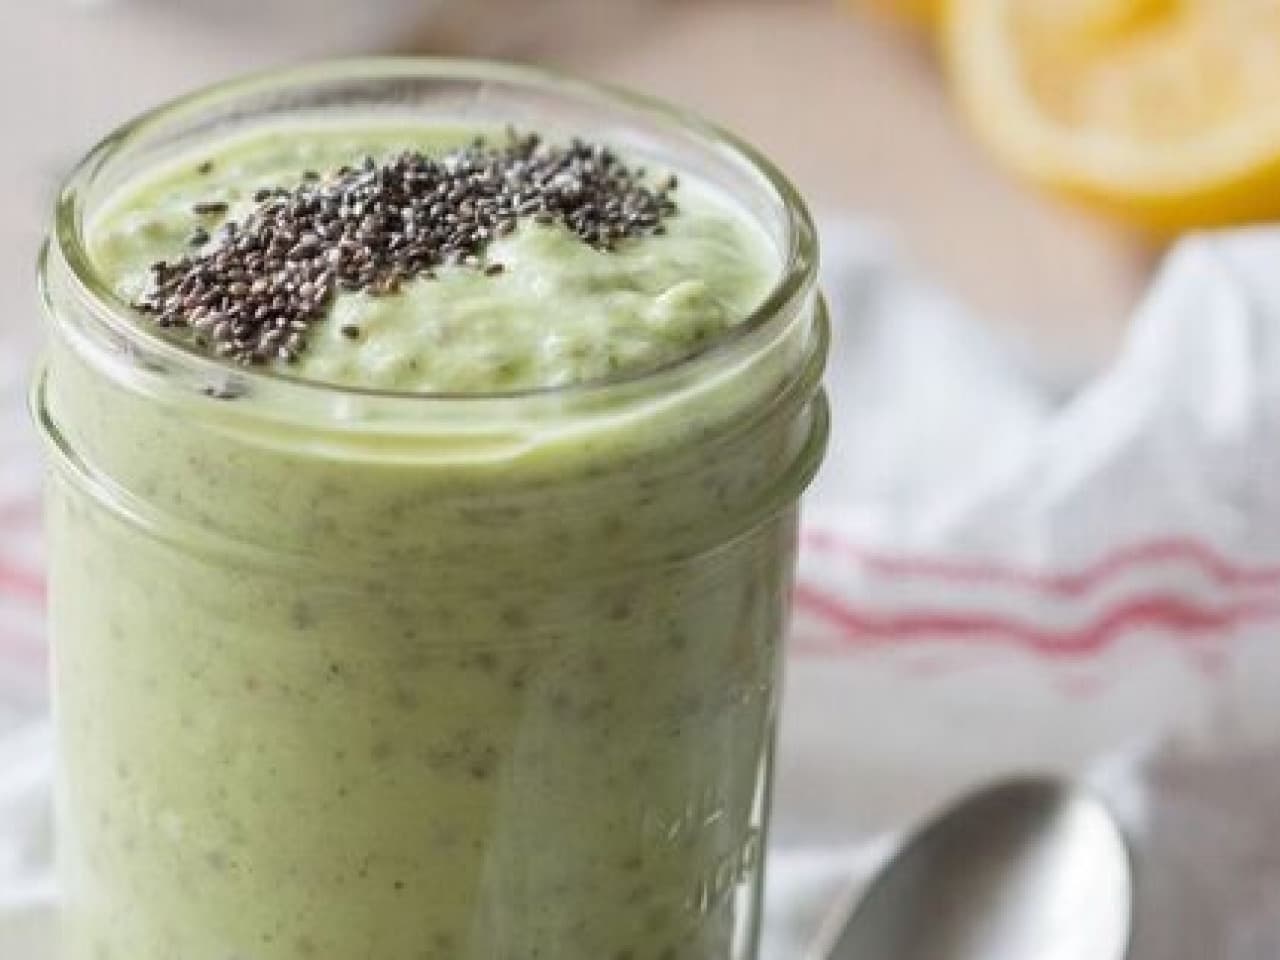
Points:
(855, 109)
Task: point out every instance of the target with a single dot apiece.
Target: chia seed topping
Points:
(253, 291)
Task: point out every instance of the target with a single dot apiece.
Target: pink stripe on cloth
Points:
(1174, 615)
(21, 584)
(1200, 556)
(24, 655)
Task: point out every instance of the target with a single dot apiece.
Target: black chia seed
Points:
(254, 292)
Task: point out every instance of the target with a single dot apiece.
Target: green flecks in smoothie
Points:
(544, 297)
(406, 699)
(303, 616)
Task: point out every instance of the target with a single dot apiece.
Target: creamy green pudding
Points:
(550, 311)
(348, 675)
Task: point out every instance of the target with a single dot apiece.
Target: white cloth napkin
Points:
(991, 581)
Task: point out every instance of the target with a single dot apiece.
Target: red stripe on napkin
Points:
(1166, 612)
(1215, 565)
(21, 584)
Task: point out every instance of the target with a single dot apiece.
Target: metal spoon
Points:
(1029, 869)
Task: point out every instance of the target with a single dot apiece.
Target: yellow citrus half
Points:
(924, 13)
(1163, 112)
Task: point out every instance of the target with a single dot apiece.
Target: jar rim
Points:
(793, 284)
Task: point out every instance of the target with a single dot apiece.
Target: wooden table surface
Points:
(855, 109)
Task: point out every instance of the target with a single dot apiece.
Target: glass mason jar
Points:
(345, 674)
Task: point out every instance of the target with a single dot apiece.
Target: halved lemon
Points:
(1163, 112)
(924, 13)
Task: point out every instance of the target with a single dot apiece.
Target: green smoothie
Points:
(343, 674)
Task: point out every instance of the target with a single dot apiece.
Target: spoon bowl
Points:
(1029, 869)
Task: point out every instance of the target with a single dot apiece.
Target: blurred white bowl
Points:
(300, 25)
